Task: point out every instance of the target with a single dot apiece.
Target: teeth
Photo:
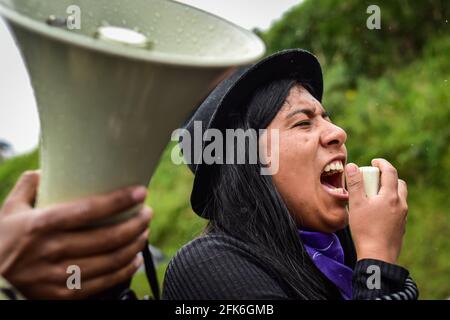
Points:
(338, 190)
(334, 166)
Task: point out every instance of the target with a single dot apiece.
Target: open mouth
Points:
(332, 179)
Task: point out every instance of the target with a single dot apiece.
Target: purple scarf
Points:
(327, 254)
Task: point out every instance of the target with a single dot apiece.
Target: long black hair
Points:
(247, 205)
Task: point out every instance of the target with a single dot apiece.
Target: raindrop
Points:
(56, 21)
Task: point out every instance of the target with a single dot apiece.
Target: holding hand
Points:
(377, 223)
(38, 245)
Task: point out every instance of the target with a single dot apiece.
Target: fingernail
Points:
(351, 169)
(138, 261)
(147, 213)
(139, 194)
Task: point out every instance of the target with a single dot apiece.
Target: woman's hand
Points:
(377, 223)
(38, 245)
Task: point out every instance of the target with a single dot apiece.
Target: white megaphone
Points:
(112, 79)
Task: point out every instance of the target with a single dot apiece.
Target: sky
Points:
(19, 122)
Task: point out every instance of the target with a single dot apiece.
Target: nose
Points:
(332, 135)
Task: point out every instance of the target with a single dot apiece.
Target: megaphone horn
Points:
(111, 86)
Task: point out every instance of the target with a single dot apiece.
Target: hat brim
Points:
(293, 63)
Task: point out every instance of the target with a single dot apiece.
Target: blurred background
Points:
(388, 88)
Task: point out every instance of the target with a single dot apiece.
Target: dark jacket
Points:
(218, 266)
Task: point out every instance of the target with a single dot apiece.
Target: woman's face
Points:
(312, 156)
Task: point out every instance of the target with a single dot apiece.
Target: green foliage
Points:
(11, 169)
(426, 246)
(336, 32)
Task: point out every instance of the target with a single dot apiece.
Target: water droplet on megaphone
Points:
(55, 21)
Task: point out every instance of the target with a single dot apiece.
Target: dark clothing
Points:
(218, 266)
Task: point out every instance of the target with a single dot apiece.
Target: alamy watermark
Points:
(71, 22)
(73, 282)
(373, 22)
(74, 18)
(374, 280)
(229, 146)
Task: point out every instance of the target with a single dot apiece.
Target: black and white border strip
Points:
(409, 292)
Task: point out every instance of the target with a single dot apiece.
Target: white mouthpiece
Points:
(371, 178)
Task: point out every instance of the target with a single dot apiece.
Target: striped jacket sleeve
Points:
(379, 280)
(8, 292)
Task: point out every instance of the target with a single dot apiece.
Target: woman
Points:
(287, 235)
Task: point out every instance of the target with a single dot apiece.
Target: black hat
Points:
(231, 92)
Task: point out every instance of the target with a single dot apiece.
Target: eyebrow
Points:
(309, 112)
